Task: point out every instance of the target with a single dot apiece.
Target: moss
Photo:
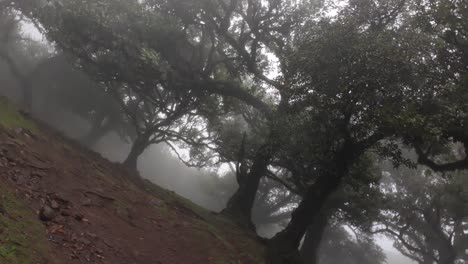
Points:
(22, 236)
(11, 118)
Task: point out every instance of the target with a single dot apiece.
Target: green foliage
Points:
(377, 76)
(423, 207)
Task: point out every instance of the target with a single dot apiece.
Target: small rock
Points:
(65, 213)
(25, 113)
(172, 249)
(86, 202)
(47, 213)
(37, 174)
(84, 241)
(91, 235)
(19, 130)
(79, 217)
(54, 204)
(2, 209)
(55, 239)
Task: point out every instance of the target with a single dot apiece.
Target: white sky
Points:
(30, 30)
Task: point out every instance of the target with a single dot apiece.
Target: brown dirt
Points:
(103, 217)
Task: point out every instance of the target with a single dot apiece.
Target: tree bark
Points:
(313, 238)
(428, 257)
(447, 255)
(437, 239)
(138, 147)
(460, 239)
(240, 205)
(283, 247)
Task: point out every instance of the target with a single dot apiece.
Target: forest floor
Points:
(61, 203)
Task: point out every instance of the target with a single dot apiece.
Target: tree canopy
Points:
(308, 94)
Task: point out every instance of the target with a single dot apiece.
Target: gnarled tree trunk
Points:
(240, 205)
(312, 239)
(447, 254)
(138, 147)
(428, 258)
(437, 239)
(283, 247)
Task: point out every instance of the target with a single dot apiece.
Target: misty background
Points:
(209, 188)
(343, 122)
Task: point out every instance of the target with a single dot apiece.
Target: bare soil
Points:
(94, 211)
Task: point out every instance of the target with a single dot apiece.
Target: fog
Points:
(162, 167)
(208, 187)
(159, 165)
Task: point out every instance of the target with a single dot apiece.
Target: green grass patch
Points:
(22, 236)
(11, 118)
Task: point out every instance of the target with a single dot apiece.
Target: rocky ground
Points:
(61, 203)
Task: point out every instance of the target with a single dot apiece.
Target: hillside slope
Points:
(61, 203)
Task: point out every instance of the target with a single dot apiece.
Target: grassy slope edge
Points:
(23, 237)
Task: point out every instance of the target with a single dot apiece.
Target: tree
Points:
(59, 86)
(347, 85)
(39, 71)
(273, 203)
(435, 125)
(152, 99)
(159, 118)
(355, 205)
(185, 61)
(425, 213)
(344, 100)
(12, 48)
(441, 119)
(341, 246)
